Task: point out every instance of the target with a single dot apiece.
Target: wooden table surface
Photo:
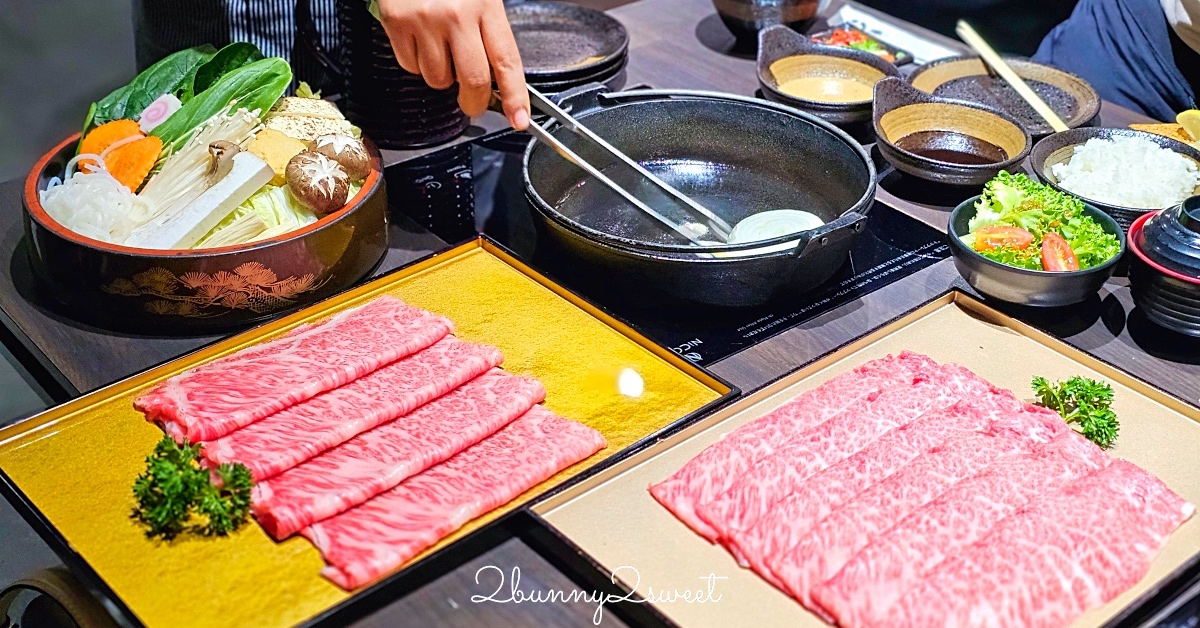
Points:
(674, 44)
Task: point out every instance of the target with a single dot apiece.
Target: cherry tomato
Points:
(996, 236)
(1057, 254)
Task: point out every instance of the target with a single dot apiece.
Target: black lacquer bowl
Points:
(1037, 288)
(784, 55)
(1165, 273)
(944, 141)
(1058, 148)
(154, 291)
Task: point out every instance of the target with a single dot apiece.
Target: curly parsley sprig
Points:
(175, 494)
(1082, 401)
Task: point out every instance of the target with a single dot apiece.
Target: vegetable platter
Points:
(613, 519)
(78, 471)
(200, 196)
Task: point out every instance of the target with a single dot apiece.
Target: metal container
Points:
(737, 156)
(153, 291)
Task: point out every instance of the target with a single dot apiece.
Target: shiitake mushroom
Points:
(318, 182)
(348, 151)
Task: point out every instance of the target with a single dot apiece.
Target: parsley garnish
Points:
(175, 494)
(1084, 402)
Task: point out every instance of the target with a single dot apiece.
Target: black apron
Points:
(1128, 52)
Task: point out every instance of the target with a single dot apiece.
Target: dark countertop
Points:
(674, 44)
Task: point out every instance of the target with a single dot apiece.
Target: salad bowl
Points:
(199, 290)
(1021, 286)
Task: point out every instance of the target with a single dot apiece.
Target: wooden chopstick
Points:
(992, 58)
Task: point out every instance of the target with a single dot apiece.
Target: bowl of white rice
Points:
(1123, 172)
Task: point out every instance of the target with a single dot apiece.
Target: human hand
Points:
(466, 41)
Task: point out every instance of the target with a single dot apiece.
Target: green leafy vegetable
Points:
(169, 76)
(304, 90)
(226, 507)
(1082, 401)
(176, 494)
(255, 86)
(1017, 200)
(227, 59)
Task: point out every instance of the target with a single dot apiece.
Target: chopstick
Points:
(718, 226)
(992, 58)
(542, 134)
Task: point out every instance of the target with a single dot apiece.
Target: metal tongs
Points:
(716, 226)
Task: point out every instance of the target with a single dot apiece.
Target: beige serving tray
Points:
(613, 518)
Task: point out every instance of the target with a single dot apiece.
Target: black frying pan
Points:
(735, 155)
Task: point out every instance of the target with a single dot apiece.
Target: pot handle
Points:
(846, 225)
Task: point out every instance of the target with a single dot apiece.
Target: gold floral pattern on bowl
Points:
(251, 286)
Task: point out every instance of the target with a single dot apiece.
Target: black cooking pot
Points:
(737, 156)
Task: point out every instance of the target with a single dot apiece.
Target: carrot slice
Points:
(107, 134)
(132, 162)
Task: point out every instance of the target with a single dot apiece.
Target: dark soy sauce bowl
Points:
(944, 141)
(1020, 286)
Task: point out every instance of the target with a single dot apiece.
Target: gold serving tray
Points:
(75, 464)
(612, 517)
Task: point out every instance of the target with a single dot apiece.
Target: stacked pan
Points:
(564, 46)
(393, 107)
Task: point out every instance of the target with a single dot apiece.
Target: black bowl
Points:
(797, 56)
(745, 18)
(967, 78)
(1058, 148)
(1037, 288)
(944, 141)
(1164, 275)
(560, 41)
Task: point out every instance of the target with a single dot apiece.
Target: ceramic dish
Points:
(560, 41)
(1058, 148)
(944, 141)
(966, 78)
(612, 77)
(833, 82)
(1037, 288)
(1165, 273)
(898, 56)
(156, 291)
